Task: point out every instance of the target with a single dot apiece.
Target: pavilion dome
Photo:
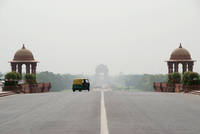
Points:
(180, 54)
(23, 55)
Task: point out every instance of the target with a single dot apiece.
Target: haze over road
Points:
(81, 113)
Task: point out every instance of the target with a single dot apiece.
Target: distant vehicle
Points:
(20, 82)
(81, 84)
(2, 82)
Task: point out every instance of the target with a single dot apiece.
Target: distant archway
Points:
(101, 76)
(101, 69)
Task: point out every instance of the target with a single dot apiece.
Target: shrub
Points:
(174, 78)
(12, 79)
(186, 77)
(13, 76)
(11, 83)
(191, 78)
(170, 78)
(30, 78)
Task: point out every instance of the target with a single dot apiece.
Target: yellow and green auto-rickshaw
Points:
(81, 84)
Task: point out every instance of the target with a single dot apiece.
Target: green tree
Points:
(59, 82)
(142, 82)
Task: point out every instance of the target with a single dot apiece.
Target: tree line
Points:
(58, 81)
(122, 82)
(140, 82)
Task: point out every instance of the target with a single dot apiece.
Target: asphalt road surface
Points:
(99, 112)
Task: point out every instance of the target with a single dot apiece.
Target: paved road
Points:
(152, 113)
(83, 113)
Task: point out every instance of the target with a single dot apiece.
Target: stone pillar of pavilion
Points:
(24, 57)
(180, 56)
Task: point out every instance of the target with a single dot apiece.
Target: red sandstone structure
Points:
(24, 57)
(27, 88)
(180, 56)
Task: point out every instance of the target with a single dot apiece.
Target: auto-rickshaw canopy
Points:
(78, 81)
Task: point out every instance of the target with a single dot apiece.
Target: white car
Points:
(20, 82)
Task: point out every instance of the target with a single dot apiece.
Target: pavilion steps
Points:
(2, 94)
(195, 92)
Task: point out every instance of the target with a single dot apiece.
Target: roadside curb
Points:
(3, 94)
(195, 92)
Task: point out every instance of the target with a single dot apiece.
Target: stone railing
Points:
(165, 87)
(160, 87)
(27, 88)
(188, 88)
(12, 88)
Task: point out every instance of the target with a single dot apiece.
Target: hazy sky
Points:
(73, 36)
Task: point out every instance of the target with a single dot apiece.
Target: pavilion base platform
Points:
(29, 88)
(177, 88)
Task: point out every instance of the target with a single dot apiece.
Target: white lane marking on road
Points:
(104, 123)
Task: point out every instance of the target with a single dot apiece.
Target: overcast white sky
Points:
(73, 36)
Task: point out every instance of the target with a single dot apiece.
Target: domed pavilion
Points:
(24, 57)
(180, 56)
